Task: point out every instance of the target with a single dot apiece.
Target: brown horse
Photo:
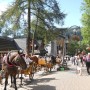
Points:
(35, 60)
(40, 62)
(10, 66)
(43, 63)
(28, 71)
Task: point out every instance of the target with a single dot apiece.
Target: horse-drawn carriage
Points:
(47, 62)
(15, 59)
(43, 63)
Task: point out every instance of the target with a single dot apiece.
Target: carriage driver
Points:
(28, 60)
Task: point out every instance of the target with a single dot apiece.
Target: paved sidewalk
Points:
(56, 80)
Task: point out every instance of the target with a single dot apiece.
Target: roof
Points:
(7, 44)
(21, 43)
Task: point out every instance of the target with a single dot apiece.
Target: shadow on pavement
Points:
(48, 73)
(44, 87)
(35, 84)
(36, 81)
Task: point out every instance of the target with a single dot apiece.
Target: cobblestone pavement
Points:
(56, 80)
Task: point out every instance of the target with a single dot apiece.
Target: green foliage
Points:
(46, 13)
(73, 47)
(86, 21)
(14, 16)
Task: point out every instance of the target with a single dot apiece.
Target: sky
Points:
(73, 10)
(70, 7)
(4, 4)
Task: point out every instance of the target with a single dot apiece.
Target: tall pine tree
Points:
(14, 16)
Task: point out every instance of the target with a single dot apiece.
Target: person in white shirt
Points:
(78, 65)
(72, 59)
(28, 60)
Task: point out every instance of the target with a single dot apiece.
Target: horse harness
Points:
(11, 62)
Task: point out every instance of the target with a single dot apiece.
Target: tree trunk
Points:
(28, 31)
(35, 33)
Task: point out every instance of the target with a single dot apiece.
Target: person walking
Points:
(84, 59)
(88, 63)
(78, 65)
(72, 59)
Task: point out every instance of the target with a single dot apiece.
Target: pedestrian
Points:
(28, 60)
(88, 63)
(78, 65)
(72, 59)
(81, 58)
(84, 60)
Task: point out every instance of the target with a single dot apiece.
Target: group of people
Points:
(81, 60)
